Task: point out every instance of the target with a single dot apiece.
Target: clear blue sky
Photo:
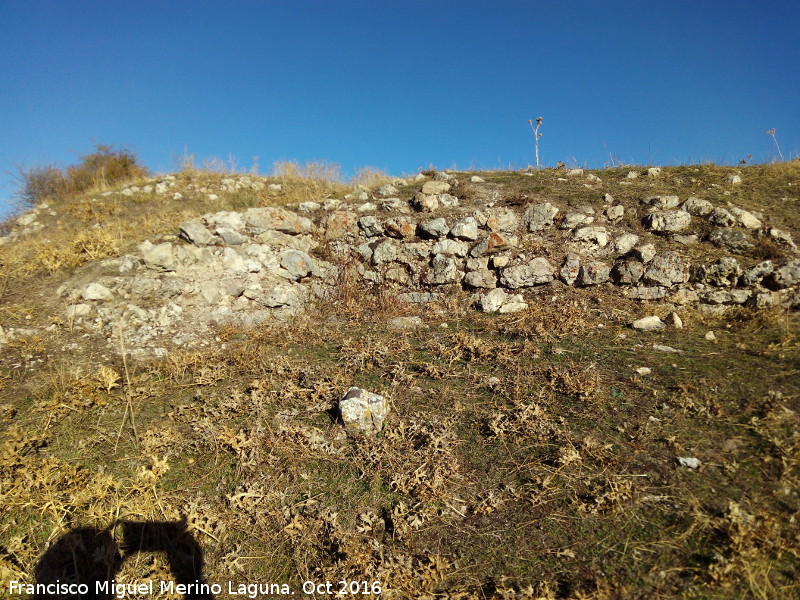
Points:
(398, 85)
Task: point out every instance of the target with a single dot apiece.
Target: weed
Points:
(536, 136)
(98, 170)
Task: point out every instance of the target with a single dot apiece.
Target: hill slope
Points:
(174, 352)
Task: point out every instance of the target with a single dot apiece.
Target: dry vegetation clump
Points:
(550, 320)
(97, 171)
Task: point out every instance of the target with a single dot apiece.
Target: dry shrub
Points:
(87, 245)
(357, 302)
(314, 172)
(465, 346)
(213, 164)
(370, 177)
(607, 496)
(331, 550)
(415, 457)
(40, 183)
(550, 320)
(573, 380)
(522, 420)
(195, 367)
(756, 545)
(104, 167)
(77, 390)
(99, 170)
(89, 210)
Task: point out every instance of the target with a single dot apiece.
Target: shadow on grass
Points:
(90, 558)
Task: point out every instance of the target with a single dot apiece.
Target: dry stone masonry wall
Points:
(262, 263)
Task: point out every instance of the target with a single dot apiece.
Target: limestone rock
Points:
(645, 292)
(666, 270)
(306, 243)
(450, 248)
(210, 292)
(536, 272)
(538, 217)
(494, 242)
(593, 235)
(341, 224)
(297, 263)
(782, 237)
(627, 272)
(387, 190)
(684, 297)
(196, 233)
(277, 218)
(281, 295)
(477, 264)
(160, 258)
(724, 272)
(755, 274)
(74, 311)
(465, 229)
(746, 219)
(651, 323)
(435, 228)
(447, 200)
(385, 251)
(405, 322)
(229, 219)
(483, 278)
(737, 296)
(783, 277)
(644, 253)
(502, 219)
(570, 268)
(675, 320)
(593, 273)
(661, 202)
(668, 221)
(444, 270)
(625, 243)
(736, 241)
(400, 227)
(230, 236)
(309, 206)
(362, 411)
(498, 300)
(574, 219)
(435, 187)
(96, 291)
(419, 297)
(370, 226)
(614, 213)
(721, 217)
(426, 202)
(697, 207)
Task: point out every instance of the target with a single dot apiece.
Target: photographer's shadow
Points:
(91, 557)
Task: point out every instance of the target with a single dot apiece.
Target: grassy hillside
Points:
(528, 455)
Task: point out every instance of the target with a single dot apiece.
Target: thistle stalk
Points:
(536, 136)
(774, 139)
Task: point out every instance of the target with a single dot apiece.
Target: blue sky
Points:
(398, 85)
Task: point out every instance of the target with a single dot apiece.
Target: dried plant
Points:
(536, 135)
